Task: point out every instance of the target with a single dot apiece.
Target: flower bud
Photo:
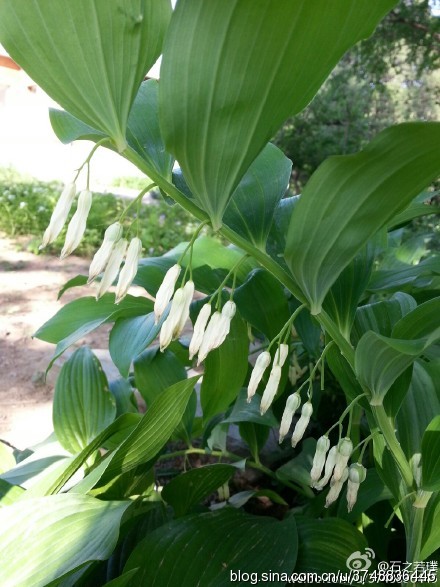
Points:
(345, 448)
(170, 325)
(229, 310)
(129, 270)
(271, 389)
(356, 475)
(102, 255)
(165, 291)
(335, 488)
(261, 364)
(322, 447)
(217, 330)
(188, 293)
(281, 355)
(328, 469)
(112, 269)
(303, 422)
(199, 330)
(59, 214)
(292, 404)
(77, 224)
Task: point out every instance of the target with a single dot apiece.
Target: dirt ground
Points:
(28, 297)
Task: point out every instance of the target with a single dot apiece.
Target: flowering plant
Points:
(302, 325)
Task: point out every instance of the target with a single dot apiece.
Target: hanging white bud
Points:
(281, 355)
(271, 389)
(328, 469)
(217, 330)
(188, 293)
(303, 422)
(322, 447)
(77, 224)
(199, 330)
(112, 268)
(129, 270)
(345, 448)
(165, 291)
(102, 255)
(261, 364)
(292, 404)
(336, 487)
(170, 324)
(59, 214)
(356, 475)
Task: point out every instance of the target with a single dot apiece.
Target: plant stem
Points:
(414, 537)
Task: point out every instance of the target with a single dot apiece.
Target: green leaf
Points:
(153, 430)
(431, 528)
(325, 545)
(9, 493)
(83, 405)
(404, 275)
(188, 489)
(298, 469)
(431, 456)
(252, 206)
(89, 530)
(7, 460)
(217, 544)
(76, 281)
(243, 411)
(255, 436)
(418, 208)
(349, 198)
(251, 65)
(129, 337)
(79, 317)
(252, 299)
(225, 370)
(73, 51)
(124, 397)
(155, 371)
(371, 491)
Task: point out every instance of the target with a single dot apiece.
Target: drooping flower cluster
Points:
(110, 255)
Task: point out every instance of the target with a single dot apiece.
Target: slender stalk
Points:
(414, 538)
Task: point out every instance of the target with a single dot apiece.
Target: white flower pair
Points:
(261, 364)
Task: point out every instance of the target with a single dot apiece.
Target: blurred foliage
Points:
(130, 182)
(390, 78)
(26, 206)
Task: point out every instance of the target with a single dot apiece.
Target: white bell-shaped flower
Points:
(199, 330)
(229, 310)
(356, 475)
(281, 355)
(271, 389)
(328, 469)
(102, 255)
(217, 330)
(292, 404)
(165, 291)
(322, 447)
(59, 214)
(112, 268)
(172, 320)
(345, 448)
(129, 270)
(336, 487)
(261, 364)
(303, 422)
(188, 293)
(77, 224)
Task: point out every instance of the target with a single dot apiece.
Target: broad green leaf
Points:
(251, 65)
(276, 243)
(123, 580)
(325, 545)
(263, 303)
(349, 198)
(252, 206)
(124, 397)
(32, 469)
(342, 300)
(9, 493)
(255, 436)
(420, 406)
(431, 528)
(83, 405)
(89, 529)
(298, 469)
(153, 430)
(431, 456)
(74, 52)
(155, 371)
(188, 489)
(79, 317)
(217, 544)
(423, 321)
(344, 374)
(405, 276)
(243, 411)
(76, 281)
(143, 133)
(225, 370)
(370, 492)
(419, 207)
(129, 337)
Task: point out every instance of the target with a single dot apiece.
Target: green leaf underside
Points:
(76, 54)
(349, 198)
(73, 529)
(191, 487)
(223, 97)
(83, 405)
(204, 549)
